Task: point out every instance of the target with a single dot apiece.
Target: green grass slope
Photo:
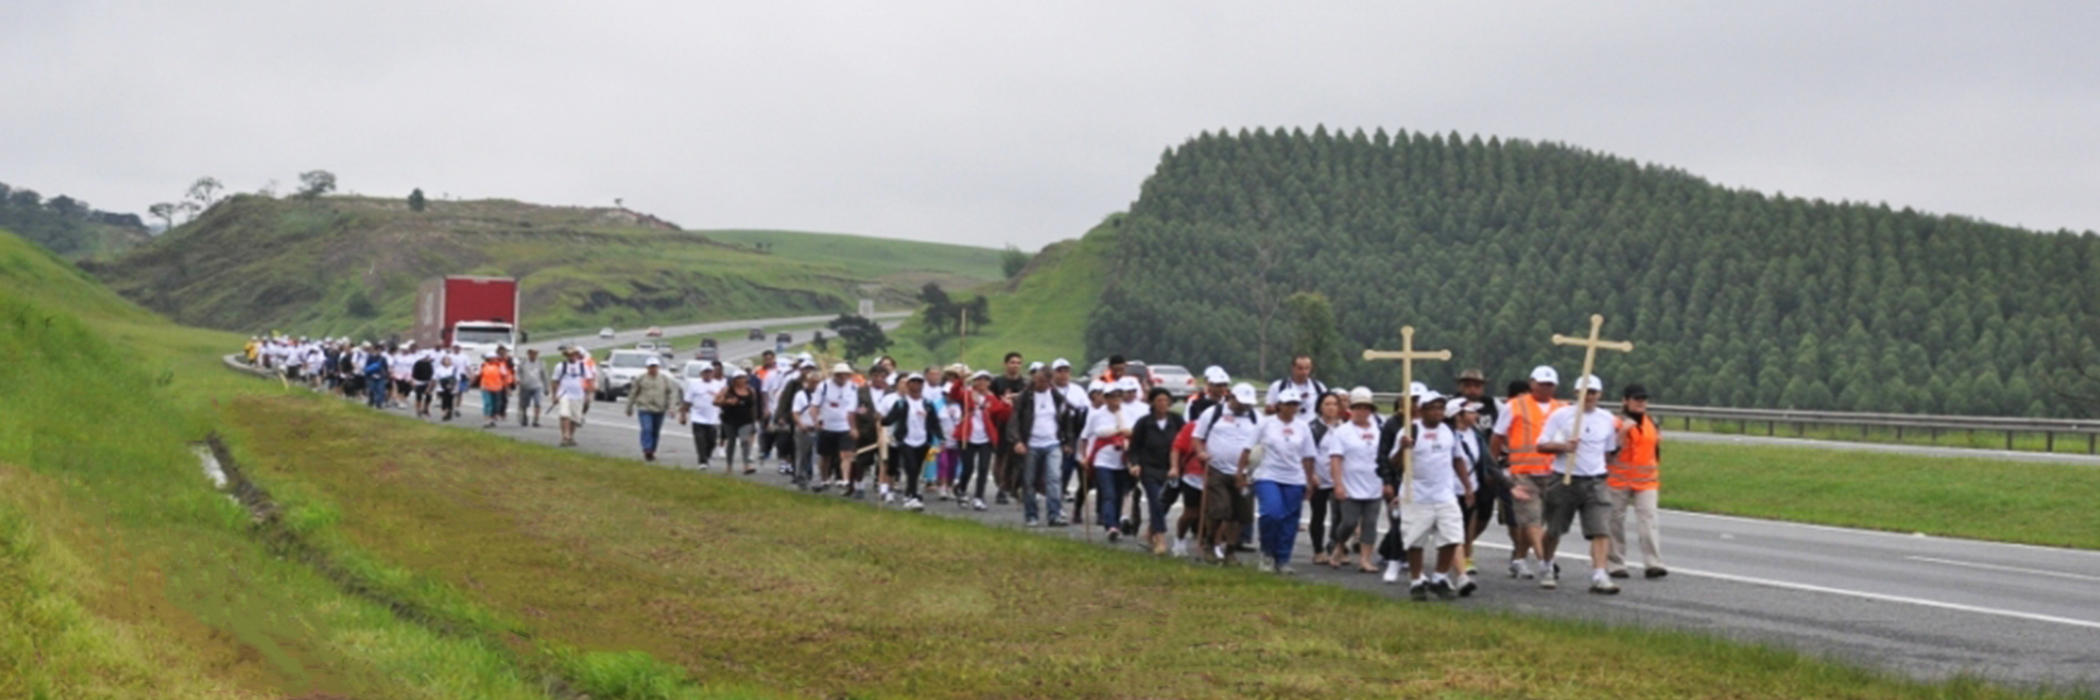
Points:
(124, 574)
(902, 264)
(1042, 313)
(252, 264)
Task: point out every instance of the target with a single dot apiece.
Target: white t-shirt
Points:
(1102, 422)
(1469, 451)
(1433, 481)
(801, 407)
(1598, 438)
(914, 420)
(701, 394)
(1358, 448)
(1285, 447)
(835, 405)
(951, 416)
(1043, 433)
(569, 378)
(981, 419)
(1321, 474)
(1228, 437)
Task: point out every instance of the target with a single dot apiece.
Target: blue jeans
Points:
(652, 428)
(1043, 473)
(1106, 483)
(1158, 508)
(1279, 505)
(375, 392)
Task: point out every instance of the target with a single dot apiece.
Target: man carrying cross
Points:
(1580, 438)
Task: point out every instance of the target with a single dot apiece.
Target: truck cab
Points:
(478, 338)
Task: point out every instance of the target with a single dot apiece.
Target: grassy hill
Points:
(350, 266)
(898, 264)
(1041, 313)
(68, 226)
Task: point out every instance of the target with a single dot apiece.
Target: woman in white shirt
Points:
(1352, 465)
(1280, 481)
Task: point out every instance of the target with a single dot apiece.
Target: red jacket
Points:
(996, 411)
(1185, 445)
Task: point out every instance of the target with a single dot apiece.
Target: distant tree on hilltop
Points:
(314, 183)
(416, 201)
(1013, 261)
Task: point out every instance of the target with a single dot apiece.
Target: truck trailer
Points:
(475, 313)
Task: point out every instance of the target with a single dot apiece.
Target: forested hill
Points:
(65, 225)
(1735, 298)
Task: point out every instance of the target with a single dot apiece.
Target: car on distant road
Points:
(619, 371)
(758, 334)
(710, 351)
(1176, 379)
(605, 333)
(655, 332)
(780, 342)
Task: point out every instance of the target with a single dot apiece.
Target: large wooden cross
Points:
(1407, 354)
(1590, 346)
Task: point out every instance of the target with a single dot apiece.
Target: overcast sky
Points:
(1009, 122)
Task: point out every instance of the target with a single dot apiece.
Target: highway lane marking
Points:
(1866, 595)
(2008, 569)
(1883, 533)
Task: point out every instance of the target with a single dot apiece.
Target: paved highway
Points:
(732, 338)
(1927, 607)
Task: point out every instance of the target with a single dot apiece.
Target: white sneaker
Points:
(914, 504)
(1521, 569)
(1392, 572)
(976, 504)
(888, 498)
(1181, 547)
(1549, 577)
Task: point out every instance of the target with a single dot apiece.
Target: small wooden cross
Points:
(1407, 354)
(1589, 362)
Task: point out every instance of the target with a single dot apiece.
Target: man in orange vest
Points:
(1531, 477)
(1633, 482)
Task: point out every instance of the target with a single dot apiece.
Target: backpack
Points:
(423, 370)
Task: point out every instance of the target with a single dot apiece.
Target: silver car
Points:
(1176, 379)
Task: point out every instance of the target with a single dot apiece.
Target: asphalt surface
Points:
(732, 340)
(1925, 607)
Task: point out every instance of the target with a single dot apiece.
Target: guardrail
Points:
(1901, 423)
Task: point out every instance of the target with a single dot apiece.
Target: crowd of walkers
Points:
(1245, 468)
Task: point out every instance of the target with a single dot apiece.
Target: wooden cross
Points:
(1407, 356)
(1589, 362)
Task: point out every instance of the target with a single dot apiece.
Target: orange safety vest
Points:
(1527, 422)
(495, 376)
(1639, 450)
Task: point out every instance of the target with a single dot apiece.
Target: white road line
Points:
(2008, 569)
(1882, 533)
(1883, 597)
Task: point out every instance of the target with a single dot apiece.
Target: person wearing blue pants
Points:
(1108, 428)
(1281, 478)
(1039, 436)
(651, 396)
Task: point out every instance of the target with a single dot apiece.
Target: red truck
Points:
(477, 313)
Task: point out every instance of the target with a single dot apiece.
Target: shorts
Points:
(1532, 513)
(570, 409)
(1588, 497)
(833, 442)
(1223, 500)
(1431, 525)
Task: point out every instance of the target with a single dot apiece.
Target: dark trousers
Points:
(1156, 494)
(913, 461)
(704, 437)
(1322, 498)
(976, 461)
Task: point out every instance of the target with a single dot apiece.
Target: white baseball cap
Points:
(980, 374)
(1243, 392)
(1590, 382)
(1428, 397)
(1417, 389)
(915, 377)
(1463, 405)
(1361, 395)
(1034, 367)
(1286, 395)
(1059, 364)
(842, 368)
(653, 362)
(1216, 375)
(1128, 385)
(1545, 375)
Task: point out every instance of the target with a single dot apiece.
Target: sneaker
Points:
(1466, 587)
(1521, 569)
(1268, 564)
(888, 498)
(1550, 580)
(1059, 522)
(914, 504)
(1620, 573)
(1655, 572)
(1285, 570)
(976, 504)
(1181, 547)
(1602, 585)
(1217, 553)
(1032, 522)
(819, 488)
(1001, 500)
(1114, 535)
(1442, 589)
(1392, 572)
(1129, 527)
(1419, 592)
(1516, 569)
(859, 494)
